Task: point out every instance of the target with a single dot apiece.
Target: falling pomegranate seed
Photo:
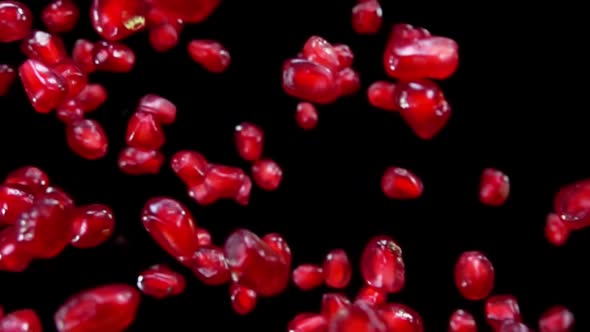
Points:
(203, 237)
(249, 139)
(191, 11)
(12, 256)
(500, 308)
(556, 319)
(59, 195)
(87, 139)
(400, 183)
(92, 225)
(14, 200)
(16, 21)
(74, 77)
(115, 19)
(556, 231)
(320, 51)
(161, 108)
(144, 132)
(44, 87)
(243, 299)
(160, 281)
(306, 116)
(513, 326)
(308, 276)
(277, 243)
(462, 321)
(267, 174)
(337, 269)
(60, 16)
(222, 182)
(113, 57)
(92, 97)
(332, 304)
(105, 308)
(69, 112)
(348, 82)
(380, 95)
(345, 56)
(382, 265)
(163, 37)
(25, 320)
(7, 76)
(44, 47)
(494, 187)
(133, 161)
(308, 322)
(474, 275)
(309, 81)
(31, 178)
(367, 17)
(210, 266)
(572, 205)
(359, 317)
(371, 296)
(82, 54)
(189, 166)
(399, 317)
(209, 54)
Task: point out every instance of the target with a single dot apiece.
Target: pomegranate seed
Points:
(189, 166)
(203, 237)
(243, 299)
(348, 81)
(371, 296)
(92, 225)
(249, 140)
(105, 308)
(92, 97)
(382, 265)
(306, 116)
(337, 269)
(163, 37)
(59, 195)
(474, 275)
(332, 304)
(277, 243)
(402, 318)
(400, 183)
(499, 308)
(310, 81)
(156, 16)
(256, 265)
(380, 95)
(209, 54)
(222, 182)
(572, 205)
(494, 187)
(115, 19)
(367, 17)
(69, 112)
(267, 174)
(12, 256)
(412, 53)
(159, 281)
(191, 11)
(134, 161)
(14, 200)
(25, 320)
(74, 77)
(16, 21)
(7, 76)
(162, 109)
(308, 323)
(210, 266)
(512, 326)
(171, 225)
(556, 319)
(82, 54)
(87, 139)
(60, 16)
(31, 178)
(144, 132)
(308, 276)
(319, 51)
(44, 47)
(556, 231)
(345, 56)
(359, 317)
(45, 88)
(113, 57)
(462, 321)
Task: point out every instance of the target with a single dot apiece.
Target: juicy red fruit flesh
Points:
(556, 319)
(44, 47)
(16, 21)
(25, 320)
(144, 132)
(14, 200)
(30, 178)
(210, 266)
(399, 317)
(320, 51)
(382, 265)
(572, 204)
(400, 183)
(500, 308)
(462, 321)
(113, 57)
(494, 187)
(337, 269)
(308, 276)
(308, 322)
(306, 116)
(191, 11)
(12, 256)
(267, 174)
(209, 54)
(359, 317)
(249, 140)
(134, 161)
(87, 139)
(159, 281)
(367, 17)
(556, 231)
(60, 16)
(117, 19)
(92, 225)
(189, 166)
(243, 299)
(309, 81)
(44, 87)
(474, 275)
(7, 76)
(380, 95)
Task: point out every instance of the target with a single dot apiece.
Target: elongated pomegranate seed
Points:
(12, 256)
(133, 161)
(115, 19)
(371, 296)
(332, 304)
(191, 11)
(144, 132)
(309, 81)
(44, 47)
(474, 275)
(462, 321)
(14, 200)
(382, 265)
(209, 54)
(345, 56)
(203, 237)
(380, 95)
(113, 57)
(308, 276)
(74, 77)
(348, 82)
(267, 174)
(222, 182)
(7, 76)
(163, 37)
(69, 112)
(494, 187)
(161, 108)
(249, 139)
(31, 178)
(337, 269)
(321, 52)
(400, 183)
(92, 225)
(308, 322)
(367, 17)
(399, 317)
(16, 21)
(87, 139)
(277, 243)
(25, 320)
(210, 265)
(556, 231)
(189, 166)
(572, 204)
(306, 116)
(500, 308)
(60, 16)
(105, 308)
(44, 87)
(359, 317)
(243, 299)
(160, 281)
(513, 326)
(556, 319)
(82, 54)
(92, 97)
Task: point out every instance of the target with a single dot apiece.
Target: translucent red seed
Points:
(494, 187)
(348, 82)
(74, 77)
(382, 265)
(474, 275)
(92, 225)
(44, 87)
(462, 321)
(306, 115)
(513, 326)
(31, 178)
(13, 258)
(189, 166)
(203, 237)
(25, 320)
(161, 108)
(14, 200)
(371, 296)
(309, 81)
(359, 317)
(320, 51)
(267, 174)
(380, 95)
(337, 269)
(308, 322)
(249, 140)
(243, 299)
(160, 281)
(556, 319)
(210, 265)
(92, 97)
(556, 231)
(87, 139)
(134, 161)
(210, 54)
(332, 304)
(500, 308)
(399, 317)
(222, 182)
(344, 54)
(144, 132)
(7, 76)
(367, 17)
(308, 276)
(16, 21)
(44, 47)
(82, 55)
(163, 37)
(279, 245)
(115, 19)
(572, 204)
(69, 112)
(113, 57)
(60, 16)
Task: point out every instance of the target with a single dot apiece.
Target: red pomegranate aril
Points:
(382, 264)
(59, 195)
(82, 54)
(14, 200)
(255, 265)
(371, 296)
(556, 319)
(277, 243)
(309, 81)
(222, 182)
(513, 326)
(7, 76)
(45, 88)
(308, 276)
(399, 317)
(319, 51)
(133, 161)
(31, 178)
(556, 231)
(494, 187)
(92, 225)
(348, 81)
(191, 11)
(16, 21)
(306, 115)
(189, 166)
(116, 19)
(171, 225)
(210, 266)
(400, 183)
(203, 237)
(243, 299)
(308, 322)
(344, 54)
(572, 204)
(105, 308)
(332, 304)
(12, 256)
(267, 174)
(162, 109)
(87, 139)
(159, 281)
(380, 95)
(359, 317)
(44, 47)
(74, 77)
(499, 308)
(69, 112)
(337, 269)
(25, 320)
(249, 139)
(474, 275)
(209, 54)
(60, 16)
(113, 57)
(92, 97)
(144, 132)
(462, 321)
(163, 37)
(367, 17)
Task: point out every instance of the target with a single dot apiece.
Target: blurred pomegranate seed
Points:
(210, 266)
(82, 54)
(348, 82)
(556, 231)
(209, 54)
(279, 245)
(160, 281)
(400, 183)
(344, 54)
(74, 77)
(308, 276)
(44, 47)
(92, 97)
(572, 204)
(92, 225)
(500, 308)
(462, 321)
(267, 174)
(161, 108)
(474, 275)
(45, 88)
(31, 178)
(163, 37)
(203, 237)
(371, 296)
(337, 269)
(556, 319)
(25, 320)
(14, 200)
(332, 304)
(16, 21)
(367, 17)
(144, 132)
(69, 112)
(13, 258)
(189, 166)
(306, 115)
(87, 139)
(382, 265)
(320, 51)
(60, 16)
(494, 187)
(243, 299)
(249, 139)
(399, 317)
(191, 11)
(380, 95)
(116, 19)
(359, 317)
(133, 161)
(113, 57)
(7, 76)
(309, 81)
(308, 322)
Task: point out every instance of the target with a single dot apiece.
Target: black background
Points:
(508, 112)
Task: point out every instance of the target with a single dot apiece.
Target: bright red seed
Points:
(162, 109)
(210, 265)
(92, 97)
(494, 187)
(92, 225)
(59, 195)
(277, 243)
(87, 139)
(474, 275)
(308, 322)
(7, 76)
(332, 304)
(82, 54)
(44, 87)
(348, 81)
(105, 308)
(44, 47)
(31, 178)
(345, 56)
(16, 21)
(556, 231)
(12, 256)
(500, 308)
(382, 265)
(337, 269)
(359, 317)
(25, 320)
(133, 161)
(222, 182)
(400, 183)
(14, 200)
(209, 54)
(74, 77)
(163, 37)
(572, 204)
(380, 95)
(319, 51)
(60, 16)
(144, 132)
(371, 296)
(308, 276)
(69, 112)
(306, 115)
(399, 317)
(367, 17)
(309, 81)
(512, 326)
(160, 281)
(203, 237)
(189, 166)
(191, 11)
(243, 299)
(267, 174)
(556, 319)
(113, 57)
(249, 139)
(116, 19)
(462, 321)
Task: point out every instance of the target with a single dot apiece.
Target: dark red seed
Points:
(382, 265)
(249, 139)
(348, 81)
(209, 54)
(556, 231)
(400, 183)
(267, 174)
(74, 77)
(25, 320)
(308, 276)
(87, 139)
(69, 112)
(60, 16)
(367, 17)
(494, 187)
(115, 19)
(371, 296)
(380, 95)
(134, 161)
(113, 57)
(572, 204)
(309, 81)
(45, 88)
(359, 317)
(30, 178)
(191, 11)
(337, 269)
(92, 225)
(277, 243)
(306, 115)
(16, 21)
(144, 132)
(345, 56)
(243, 299)
(12, 256)
(462, 321)
(308, 322)
(7, 76)
(82, 54)
(319, 51)
(14, 200)
(160, 281)
(92, 97)
(474, 275)
(556, 319)
(500, 308)
(163, 37)
(399, 317)
(162, 109)
(210, 265)
(332, 304)
(44, 47)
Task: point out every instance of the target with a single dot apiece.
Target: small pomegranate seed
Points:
(494, 187)
(306, 115)
(189, 166)
(256, 265)
(171, 225)
(74, 77)
(87, 139)
(399, 317)
(337, 269)
(332, 304)
(512, 326)
(25, 320)
(556, 319)
(382, 265)
(60, 16)
(191, 11)
(30, 178)
(59, 195)
(69, 112)
(82, 54)
(45, 88)
(222, 182)
(203, 237)
(277, 243)
(14, 200)
(44, 47)
(319, 51)
(243, 299)
(400, 183)
(500, 308)
(359, 317)
(367, 17)
(163, 37)
(210, 266)
(309, 81)
(133, 161)
(144, 132)
(113, 57)
(267, 174)
(345, 56)
(159, 281)
(115, 19)
(308, 322)
(474, 275)
(462, 321)
(16, 21)
(556, 231)
(7, 76)
(380, 95)
(162, 109)
(249, 139)
(412, 53)
(308, 276)
(92, 97)
(348, 81)
(572, 204)
(209, 54)
(92, 225)
(105, 308)
(12, 256)
(371, 296)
